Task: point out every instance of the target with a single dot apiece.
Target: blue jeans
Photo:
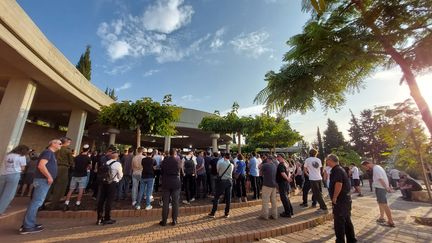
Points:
(40, 191)
(8, 187)
(147, 187)
(123, 187)
(135, 183)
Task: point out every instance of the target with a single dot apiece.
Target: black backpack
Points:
(104, 173)
(188, 166)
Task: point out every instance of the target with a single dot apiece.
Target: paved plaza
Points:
(242, 226)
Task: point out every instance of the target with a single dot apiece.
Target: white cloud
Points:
(252, 44)
(247, 111)
(166, 16)
(151, 72)
(217, 41)
(138, 36)
(118, 49)
(124, 87)
(118, 69)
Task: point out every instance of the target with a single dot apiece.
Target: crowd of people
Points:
(141, 172)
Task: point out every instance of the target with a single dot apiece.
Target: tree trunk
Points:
(138, 137)
(403, 64)
(419, 151)
(239, 142)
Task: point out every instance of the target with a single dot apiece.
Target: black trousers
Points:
(241, 186)
(168, 194)
(157, 180)
(222, 187)
(107, 193)
(255, 181)
(343, 225)
(283, 191)
(317, 194)
(189, 186)
(306, 189)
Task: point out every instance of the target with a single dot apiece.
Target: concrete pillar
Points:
(167, 144)
(75, 130)
(214, 138)
(14, 109)
(112, 132)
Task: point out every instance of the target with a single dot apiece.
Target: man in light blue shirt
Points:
(254, 176)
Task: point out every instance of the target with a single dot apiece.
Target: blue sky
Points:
(206, 53)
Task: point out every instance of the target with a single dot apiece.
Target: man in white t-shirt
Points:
(381, 184)
(356, 179)
(313, 167)
(394, 174)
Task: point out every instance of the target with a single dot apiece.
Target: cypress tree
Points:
(84, 64)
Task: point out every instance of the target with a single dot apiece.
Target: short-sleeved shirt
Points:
(12, 164)
(355, 173)
(222, 166)
(338, 174)
(268, 170)
(313, 164)
(281, 168)
(148, 170)
(51, 165)
(379, 173)
(240, 167)
(253, 167)
(200, 162)
(82, 162)
(394, 173)
(415, 185)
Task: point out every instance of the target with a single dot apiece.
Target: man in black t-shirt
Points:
(82, 163)
(341, 199)
(283, 179)
(407, 186)
(147, 180)
(213, 171)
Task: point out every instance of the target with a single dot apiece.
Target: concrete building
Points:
(37, 83)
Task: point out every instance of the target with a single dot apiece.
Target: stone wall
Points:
(37, 137)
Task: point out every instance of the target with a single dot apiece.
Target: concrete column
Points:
(113, 132)
(167, 144)
(75, 130)
(14, 109)
(214, 138)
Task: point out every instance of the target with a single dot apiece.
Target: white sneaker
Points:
(133, 203)
(193, 199)
(148, 207)
(151, 199)
(170, 205)
(186, 202)
(138, 207)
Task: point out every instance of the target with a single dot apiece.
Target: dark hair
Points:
(20, 149)
(227, 155)
(253, 154)
(240, 157)
(215, 154)
(313, 152)
(65, 139)
(172, 151)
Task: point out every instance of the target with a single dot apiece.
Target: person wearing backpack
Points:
(189, 179)
(109, 174)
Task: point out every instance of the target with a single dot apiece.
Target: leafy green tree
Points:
(364, 135)
(404, 135)
(84, 64)
(111, 93)
(145, 116)
(347, 156)
(346, 43)
(271, 132)
(333, 139)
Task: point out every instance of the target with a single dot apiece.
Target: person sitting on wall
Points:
(407, 186)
